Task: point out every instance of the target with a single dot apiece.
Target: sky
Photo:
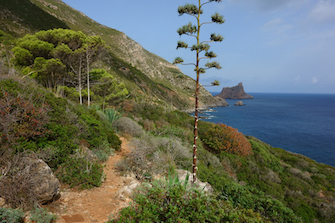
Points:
(271, 46)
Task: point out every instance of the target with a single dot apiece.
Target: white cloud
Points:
(297, 78)
(323, 11)
(271, 5)
(276, 26)
(314, 81)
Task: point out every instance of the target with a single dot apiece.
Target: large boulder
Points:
(44, 184)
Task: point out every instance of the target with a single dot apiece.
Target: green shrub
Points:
(265, 157)
(80, 172)
(40, 215)
(251, 198)
(172, 202)
(8, 215)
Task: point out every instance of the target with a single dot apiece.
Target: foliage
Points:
(21, 120)
(113, 114)
(251, 198)
(8, 215)
(40, 215)
(103, 151)
(222, 138)
(171, 202)
(128, 126)
(80, 171)
(155, 155)
(66, 124)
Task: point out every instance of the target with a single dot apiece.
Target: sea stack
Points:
(236, 92)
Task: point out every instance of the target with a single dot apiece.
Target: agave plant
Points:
(113, 114)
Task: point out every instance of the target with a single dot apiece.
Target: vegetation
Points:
(172, 201)
(223, 138)
(200, 46)
(41, 116)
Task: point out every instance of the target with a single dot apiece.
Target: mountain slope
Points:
(126, 54)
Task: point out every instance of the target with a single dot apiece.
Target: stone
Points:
(45, 185)
(130, 185)
(239, 103)
(206, 187)
(236, 92)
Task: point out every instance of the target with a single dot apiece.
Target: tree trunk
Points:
(88, 77)
(79, 81)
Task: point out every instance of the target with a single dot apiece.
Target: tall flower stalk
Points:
(201, 47)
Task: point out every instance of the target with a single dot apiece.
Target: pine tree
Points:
(199, 47)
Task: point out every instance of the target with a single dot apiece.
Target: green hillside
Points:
(45, 70)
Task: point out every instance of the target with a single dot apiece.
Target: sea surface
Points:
(300, 123)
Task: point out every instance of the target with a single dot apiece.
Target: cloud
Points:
(323, 11)
(276, 26)
(314, 81)
(271, 5)
(297, 78)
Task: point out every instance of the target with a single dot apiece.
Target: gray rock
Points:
(44, 184)
(205, 186)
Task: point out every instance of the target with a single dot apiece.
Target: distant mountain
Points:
(236, 92)
(146, 74)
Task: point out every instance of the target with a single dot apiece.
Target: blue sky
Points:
(285, 46)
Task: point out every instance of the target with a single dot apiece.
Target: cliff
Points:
(236, 92)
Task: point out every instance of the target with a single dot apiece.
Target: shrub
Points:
(163, 201)
(40, 215)
(9, 215)
(223, 138)
(21, 120)
(251, 198)
(156, 155)
(128, 126)
(80, 172)
(103, 151)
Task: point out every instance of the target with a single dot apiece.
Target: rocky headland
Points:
(236, 92)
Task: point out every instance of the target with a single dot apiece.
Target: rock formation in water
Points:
(236, 92)
(239, 103)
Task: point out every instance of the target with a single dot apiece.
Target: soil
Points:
(97, 204)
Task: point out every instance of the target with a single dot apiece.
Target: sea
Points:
(299, 123)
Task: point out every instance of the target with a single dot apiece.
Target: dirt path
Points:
(94, 205)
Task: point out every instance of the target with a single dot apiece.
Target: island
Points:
(236, 92)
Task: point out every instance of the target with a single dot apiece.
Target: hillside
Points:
(126, 55)
(41, 119)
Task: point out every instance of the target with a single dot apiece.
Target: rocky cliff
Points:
(236, 92)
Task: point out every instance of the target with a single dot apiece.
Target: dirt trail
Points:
(94, 205)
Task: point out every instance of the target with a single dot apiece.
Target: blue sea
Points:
(300, 123)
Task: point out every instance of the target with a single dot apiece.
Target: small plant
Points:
(113, 114)
(8, 215)
(40, 215)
